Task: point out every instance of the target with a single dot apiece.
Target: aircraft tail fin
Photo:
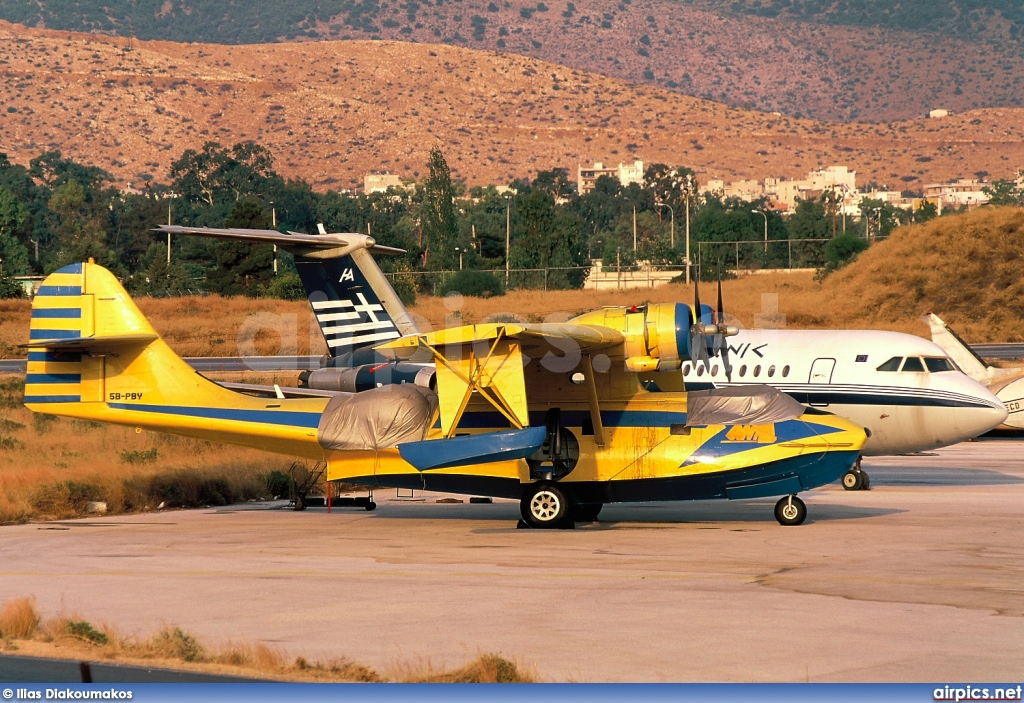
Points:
(354, 303)
(958, 350)
(93, 355)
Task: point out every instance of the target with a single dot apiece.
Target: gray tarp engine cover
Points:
(755, 404)
(380, 418)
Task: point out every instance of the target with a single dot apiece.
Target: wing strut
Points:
(595, 408)
(486, 375)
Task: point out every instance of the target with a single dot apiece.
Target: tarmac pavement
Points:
(919, 579)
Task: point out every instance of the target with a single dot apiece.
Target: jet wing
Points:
(302, 243)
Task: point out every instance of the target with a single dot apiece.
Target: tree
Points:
(14, 219)
(440, 227)
(79, 232)
(216, 174)
(242, 268)
(1004, 192)
(555, 182)
(925, 210)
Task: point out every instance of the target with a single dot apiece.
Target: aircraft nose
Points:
(987, 414)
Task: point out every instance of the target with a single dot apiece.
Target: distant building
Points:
(380, 182)
(957, 194)
(934, 114)
(783, 194)
(586, 178)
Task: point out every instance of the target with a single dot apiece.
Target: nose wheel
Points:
(856, 479)
(790, 510)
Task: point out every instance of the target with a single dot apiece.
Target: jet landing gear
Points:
(790, 510)
(856, 479)
(544, 505)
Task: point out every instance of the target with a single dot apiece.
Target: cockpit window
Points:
(892, 364)
(913, 364)
(936, 364)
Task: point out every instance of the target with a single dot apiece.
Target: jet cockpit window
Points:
(892, 364)
(936, 364)
(913, 363)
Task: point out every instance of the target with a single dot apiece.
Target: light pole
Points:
(508, 233)
(758, 212)
(168, 234)
(689, 190)
(460, 257)
(673, 228)
(273, 220)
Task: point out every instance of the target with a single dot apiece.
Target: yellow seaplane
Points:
(553, 415)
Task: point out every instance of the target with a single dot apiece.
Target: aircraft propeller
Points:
(718, 330)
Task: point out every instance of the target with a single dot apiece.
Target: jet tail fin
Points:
(964, 357)
(354, 303)
(93, 355)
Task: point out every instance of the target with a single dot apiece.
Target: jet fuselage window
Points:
(686, 369)
(714, 370)
(892, 364)
(757, 370)
(700, 369)
(743, 370)
(771, 371)
(913, 363)
(937, 364)
(785, 371)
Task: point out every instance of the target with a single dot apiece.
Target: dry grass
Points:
(201, 326)
(22, 629)
(486, 668)
(52, 467)
(19, 619)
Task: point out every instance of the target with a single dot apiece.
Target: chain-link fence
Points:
(748, 255)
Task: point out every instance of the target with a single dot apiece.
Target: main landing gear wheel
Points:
(790, 510)
(544, 505)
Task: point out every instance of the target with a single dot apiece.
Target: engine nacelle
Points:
(363, 378)
(658, 338)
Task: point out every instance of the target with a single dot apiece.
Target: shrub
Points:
(80, 629)
(839, 252)
(278, 483)
(287, 286)
(143, 456)
(474, 283)
(178, 644)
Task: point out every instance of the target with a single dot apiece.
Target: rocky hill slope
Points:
(333, 111)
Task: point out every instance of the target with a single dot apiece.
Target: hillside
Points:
(965, 268)
(871, 61)
(333, 111)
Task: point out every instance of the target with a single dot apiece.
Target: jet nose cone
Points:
(988, 414)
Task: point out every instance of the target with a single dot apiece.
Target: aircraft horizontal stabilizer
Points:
(89, 343)
(292, 241)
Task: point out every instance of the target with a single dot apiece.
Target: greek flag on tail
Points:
(354, 304)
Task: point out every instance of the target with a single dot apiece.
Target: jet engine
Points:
(363, 378)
